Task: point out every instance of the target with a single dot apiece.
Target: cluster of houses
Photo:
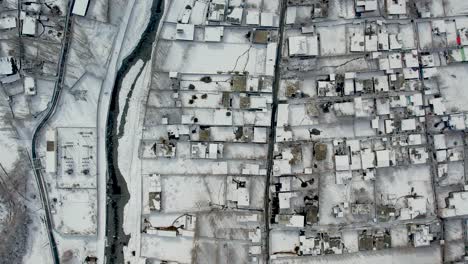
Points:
(364, 100)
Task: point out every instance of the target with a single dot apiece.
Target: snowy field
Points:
(174, 248)
(77, 212)
(190, 57)
(181, 194)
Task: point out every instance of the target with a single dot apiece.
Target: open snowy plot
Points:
(425, 255)
(247, 151)
(343, 129)
(215, 252)
(271, 6)
(455, 174)
(453, 229)
(74, 249)
(454, 248)
(425, 35)
(399, 236)
(341, 9)
(332, 40)
(437, 8)
(9, 153)
(455, 7)
(90, 48)
(254, 4)
(454, 251)
(78, 105)
(298, 116)
(283, 241)
(398, 182)
(44, 90)
(35, 251)
(452, 81)
(190, 57)
(363, 128)
(225, 225)
(168, 248)
(76, 212)
(9, 149)
(331, 194)
(182, 194)
(48, 52)
(350, 240)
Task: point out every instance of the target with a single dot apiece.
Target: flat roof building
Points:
(7, 22)
(6, 66)
(185, 31)
(29, 85)
(303, 46)
(214, 34)
(271, 59)
(80, 7)
(29, 26)
(252, 17)
(51, 151)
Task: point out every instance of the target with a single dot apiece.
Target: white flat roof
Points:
(185, 31)
(383, 158)
(342, 162)
(267, 19)
(396, 7)
(214, 34)
(291, 14)
(252, 18)
(77, 212)
(7, 22)
(29, 85)
(283, 115)
(80, 7)
(302, 45)
(271, 59)
(6, 66)
(408, 124)
(29, 26)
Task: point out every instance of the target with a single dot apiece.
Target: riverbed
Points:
(117, 191)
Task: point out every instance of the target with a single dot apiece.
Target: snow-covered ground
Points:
(426, 255)
(452, 87)
(127, 37)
